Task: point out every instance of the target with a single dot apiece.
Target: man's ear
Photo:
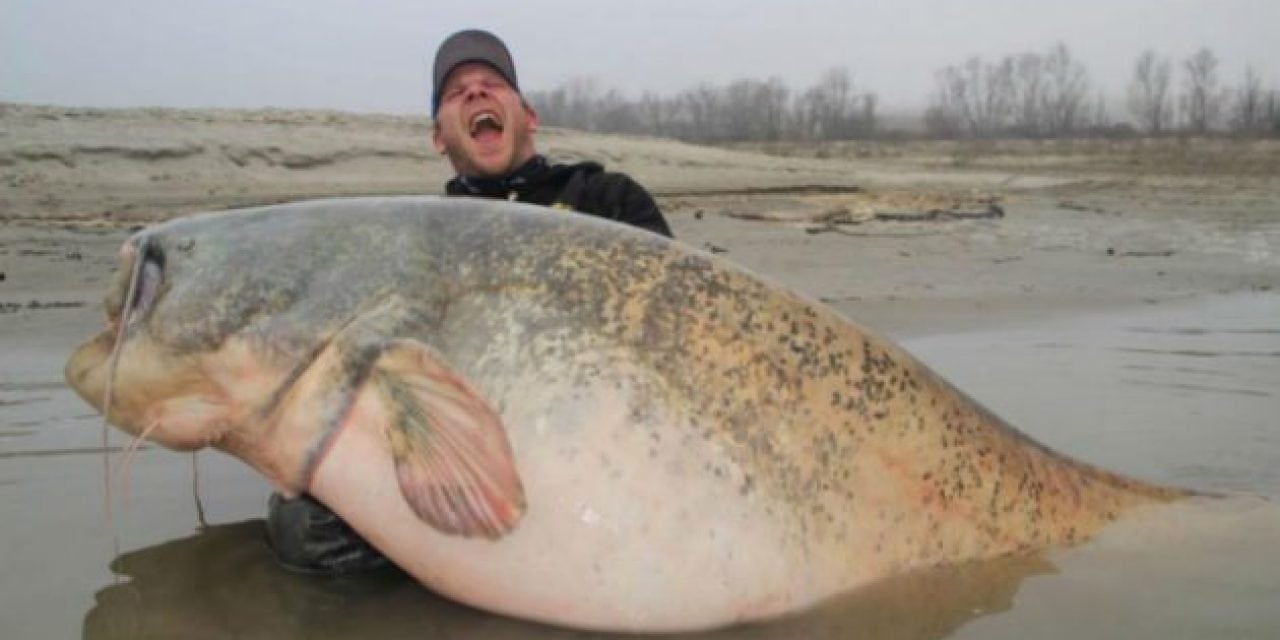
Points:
(436, 140)
(532, 116)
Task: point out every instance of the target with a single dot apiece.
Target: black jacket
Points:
(584, 187)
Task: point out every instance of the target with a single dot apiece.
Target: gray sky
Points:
(374, 55)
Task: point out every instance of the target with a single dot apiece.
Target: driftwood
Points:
(1072, 205)
(834, 224)
(1162, 253)
(831, 216)
(992, 210)
(832, 228)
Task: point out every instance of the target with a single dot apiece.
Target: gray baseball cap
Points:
(470, 45)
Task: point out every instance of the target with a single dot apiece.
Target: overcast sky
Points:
(374, 55)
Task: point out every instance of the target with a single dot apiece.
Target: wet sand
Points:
(1130, 323)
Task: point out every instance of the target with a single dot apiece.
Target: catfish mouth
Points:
(485, 125)
(91, 368)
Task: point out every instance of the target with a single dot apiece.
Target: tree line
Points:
(1202, 105)
(1036, 94)
(1047, 95)
(1031, 95)
(743, 110)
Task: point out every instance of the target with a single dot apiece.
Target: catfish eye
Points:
(149, 278)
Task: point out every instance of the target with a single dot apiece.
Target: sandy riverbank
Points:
(1074, 232)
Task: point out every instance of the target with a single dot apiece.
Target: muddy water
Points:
(1187, 395)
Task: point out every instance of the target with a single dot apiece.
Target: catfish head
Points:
(151, 373)
(266, 333)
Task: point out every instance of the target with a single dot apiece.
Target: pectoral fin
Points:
(453, 459)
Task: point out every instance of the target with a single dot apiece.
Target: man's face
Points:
(483, 125)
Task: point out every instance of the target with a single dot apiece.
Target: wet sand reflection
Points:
(222, 582)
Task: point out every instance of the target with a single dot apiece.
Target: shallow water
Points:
(1185, 395)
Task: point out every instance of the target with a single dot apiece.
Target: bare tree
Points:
(573, 104)
(945, 115)
(823, 106)
(613, 112)
(754, 110)
(773, 99)
(1201, 101)
(1066, 92)
(1049, 93)
(833, 110)
(1247, 104)
(1029, 95)
(1149, 100)
(550, 105)
(658, 116)
(974, 99)
(702, 103)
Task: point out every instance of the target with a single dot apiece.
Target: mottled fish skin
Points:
(798, 393)
(863, 456)
(820, 410)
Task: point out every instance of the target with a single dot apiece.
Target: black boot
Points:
(307, 537)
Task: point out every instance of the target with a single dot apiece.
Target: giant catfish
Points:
(558, 417)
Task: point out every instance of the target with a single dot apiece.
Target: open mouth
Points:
(485, 125)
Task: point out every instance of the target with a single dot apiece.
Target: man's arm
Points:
(639, 209)
(618, 197)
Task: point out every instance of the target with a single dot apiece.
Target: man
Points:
(486, 129)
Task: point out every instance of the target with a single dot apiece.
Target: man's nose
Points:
(476, 90)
